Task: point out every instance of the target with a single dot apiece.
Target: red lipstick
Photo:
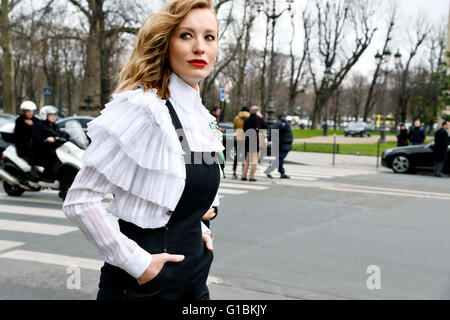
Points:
(199, 63)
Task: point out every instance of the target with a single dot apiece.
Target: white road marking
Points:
(34, 227)
(57, 201)
(389, 193)
(214, 280)
(29, 211)
(400, 190)
(56, 259)
(5, 245)
(231, 191)
(68, 261)
(242, 186)
(31, 200)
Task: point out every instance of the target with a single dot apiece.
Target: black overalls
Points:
(185, 280)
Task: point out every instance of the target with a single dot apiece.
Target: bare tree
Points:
(249, 18)
(297, 71)
(105, 19)
(9, 97)
(370, 101)
(336, 22)
(422, 29)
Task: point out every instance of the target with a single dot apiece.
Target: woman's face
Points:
(193, 46)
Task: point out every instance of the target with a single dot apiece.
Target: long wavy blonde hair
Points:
(148, 64)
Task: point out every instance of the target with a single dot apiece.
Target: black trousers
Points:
(438, 167)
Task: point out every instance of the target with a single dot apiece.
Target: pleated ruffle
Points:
(135, 146)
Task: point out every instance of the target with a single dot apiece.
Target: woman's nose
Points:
(199, 47)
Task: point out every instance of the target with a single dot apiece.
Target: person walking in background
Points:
(253, 124)
(239, 138)
(216, 112)
(416, 134)
(286, 139)
(402, 135)
(440, 149)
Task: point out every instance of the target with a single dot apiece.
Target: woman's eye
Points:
(210, 37)
(185, 36)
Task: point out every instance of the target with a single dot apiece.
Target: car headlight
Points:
(386, 152)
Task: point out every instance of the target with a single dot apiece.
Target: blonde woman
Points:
(154, 147)
(254, 139)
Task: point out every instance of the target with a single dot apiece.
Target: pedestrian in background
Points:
(440, 149)
(252, 126)
(416, 134)
(286, 140)
(216, 112)
(402, 136)
(239, 138)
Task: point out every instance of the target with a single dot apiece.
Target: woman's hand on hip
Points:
(158, 261)
(211, 213)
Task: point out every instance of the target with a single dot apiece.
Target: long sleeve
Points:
(83, 205)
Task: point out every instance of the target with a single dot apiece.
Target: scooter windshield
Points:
(77, 135)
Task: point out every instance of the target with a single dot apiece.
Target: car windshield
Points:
(77, 135)
(356, 126)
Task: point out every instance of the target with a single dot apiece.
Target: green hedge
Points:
(309, 133)
(361, 149)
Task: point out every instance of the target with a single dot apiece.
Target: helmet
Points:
(28, 106)
(45, 111)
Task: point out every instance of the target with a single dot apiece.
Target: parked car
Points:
(357, 129)
(412, 158)
(228, 139)
(83, 120)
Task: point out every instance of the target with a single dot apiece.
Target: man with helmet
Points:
(45, 140)
(23, 131)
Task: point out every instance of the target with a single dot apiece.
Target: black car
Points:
(357, 129)
(412, 158)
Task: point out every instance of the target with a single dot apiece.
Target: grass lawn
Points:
(361, 149)
(309, 133)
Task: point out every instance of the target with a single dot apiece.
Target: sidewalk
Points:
(326, 159)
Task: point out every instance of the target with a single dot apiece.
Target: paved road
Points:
(311, 237)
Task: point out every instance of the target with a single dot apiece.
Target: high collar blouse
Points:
(135, 154)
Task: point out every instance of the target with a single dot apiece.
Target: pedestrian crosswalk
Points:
(32, 213)
(40, 214)
(303, 173)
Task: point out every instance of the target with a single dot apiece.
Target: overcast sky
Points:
(434, 10)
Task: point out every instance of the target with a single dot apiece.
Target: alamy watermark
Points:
(73, 282)
(374, 280)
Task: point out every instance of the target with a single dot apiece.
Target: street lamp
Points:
(328, 75)
(379, 60)
(271, 14)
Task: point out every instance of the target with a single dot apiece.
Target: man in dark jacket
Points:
(416, 134)
(23, 132)
(45, 140)
(440, 149)
(286, 140)
(402, 136)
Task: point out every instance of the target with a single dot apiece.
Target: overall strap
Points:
(177, 124)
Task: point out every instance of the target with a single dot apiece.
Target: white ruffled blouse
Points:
(135, 154)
